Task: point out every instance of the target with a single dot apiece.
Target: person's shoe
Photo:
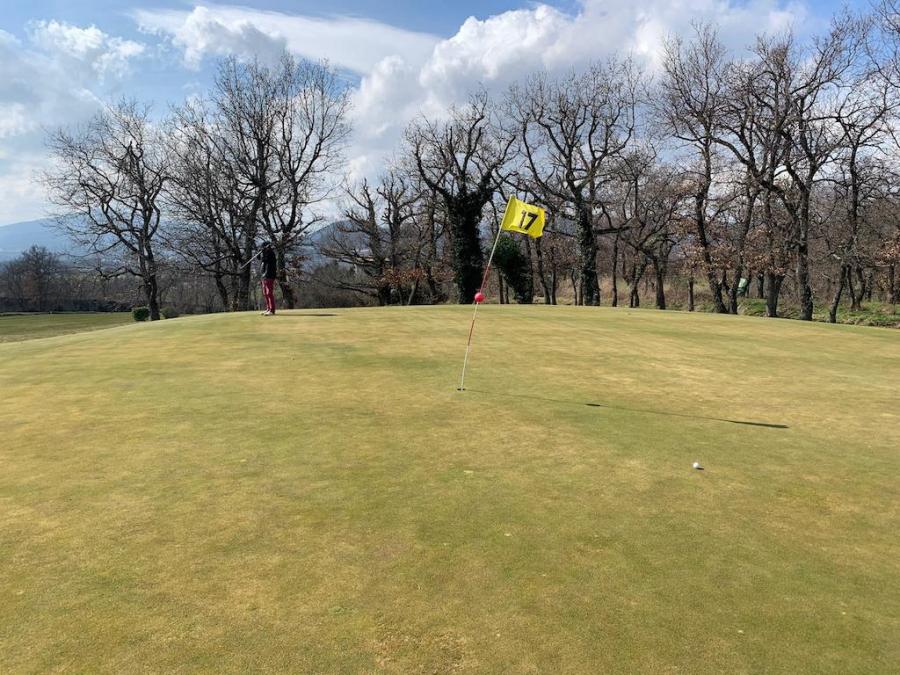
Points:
(267, 313)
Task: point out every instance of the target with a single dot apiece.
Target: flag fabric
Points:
(523, 217)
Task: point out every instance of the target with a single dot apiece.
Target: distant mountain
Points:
(314, 240)
(315, 236)
(18, 237)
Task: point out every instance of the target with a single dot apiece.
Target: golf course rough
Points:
(310, 493)
(14, 327)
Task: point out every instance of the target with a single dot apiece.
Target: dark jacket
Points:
(269, 265)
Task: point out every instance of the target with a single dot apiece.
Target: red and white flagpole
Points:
(479, 298)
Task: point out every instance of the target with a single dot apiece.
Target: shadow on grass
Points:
(635, 410)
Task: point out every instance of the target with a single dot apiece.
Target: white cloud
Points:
(61, 71)
(91, 48)
(496, 51)
(499, 48)
(405, 74)
(58, 75)
(14, 120)
(390, 92)
(351, 43)
(21, 196)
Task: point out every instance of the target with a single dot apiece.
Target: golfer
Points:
(269, 272)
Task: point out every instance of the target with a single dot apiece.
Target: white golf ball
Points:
(696, 465)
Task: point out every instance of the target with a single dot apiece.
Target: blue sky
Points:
(440, 17)
(61, 60)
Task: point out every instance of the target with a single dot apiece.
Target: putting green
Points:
(309, 493)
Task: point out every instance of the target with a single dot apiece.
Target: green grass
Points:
(15, 327)
(308, 493)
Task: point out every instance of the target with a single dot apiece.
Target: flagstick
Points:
(487, 271)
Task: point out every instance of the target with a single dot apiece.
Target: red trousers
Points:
(269, 294)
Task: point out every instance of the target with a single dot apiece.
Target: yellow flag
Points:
(525, 218)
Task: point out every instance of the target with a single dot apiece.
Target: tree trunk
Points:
(700, 217)
(554, 276)
(288, 297)
(714, 286)
(893, 287)
(468, 259)
(836, 299)
(855, 291)
(746, 224)
(151, 291)
(151, 287)
(435, 294)
(529, 285)
(541, 274)
(760, 286)
(637, 274)
(615, 274)
(691, 293)
(241, 295)
(734, 290)
(414, 290)
(431, 282)
(806, 299)
(241, 298)
(384, 295)
(660, 285)
(773, 291)
(803, 280)
(554, 285)
(587, 259)
(221, 288)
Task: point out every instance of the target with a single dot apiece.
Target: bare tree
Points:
(650, 203)
(429, 222)
(571, 131)
(310, 110)
(887, 252)
(863, 114)
(787, 94)
(744, 206)
(694, 95)
(250, 161)
(378, 239)
(884, 47)
(108, 179)
(462, 161)
(214, 205)
(14, 284)
(201, 250)
(42, 273)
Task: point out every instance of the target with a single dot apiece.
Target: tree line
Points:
(40, 280)
(770, 172)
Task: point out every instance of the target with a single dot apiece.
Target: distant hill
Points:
(18, 237)
(314, 240)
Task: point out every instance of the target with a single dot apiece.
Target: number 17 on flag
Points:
(523, 217)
